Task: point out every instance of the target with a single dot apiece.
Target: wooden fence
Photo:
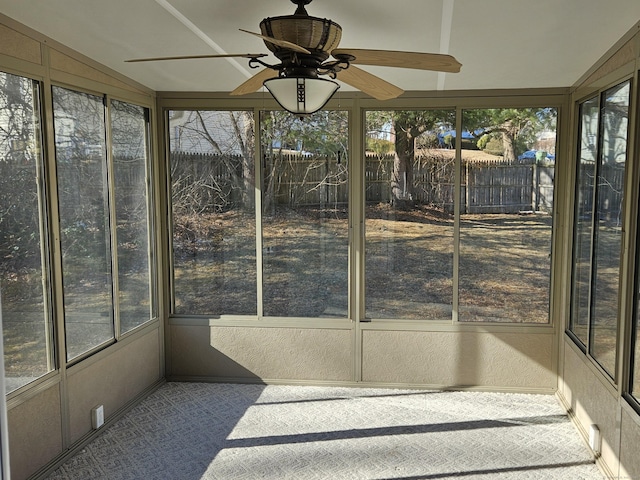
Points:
(206, 181)
(306, 180)
(492, 186)
(610, 192)
(202, 182)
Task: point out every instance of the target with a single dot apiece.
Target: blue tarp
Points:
(536, 155)
(466, 135)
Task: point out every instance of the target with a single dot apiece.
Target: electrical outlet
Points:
(97, 416)
(594, 438)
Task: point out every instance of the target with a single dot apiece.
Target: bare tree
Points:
(227, 182)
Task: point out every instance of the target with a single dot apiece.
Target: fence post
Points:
(324, 195)
(535, 200)
(467, 190)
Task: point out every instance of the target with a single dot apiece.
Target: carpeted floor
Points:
(192, 431)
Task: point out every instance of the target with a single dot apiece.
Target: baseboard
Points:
(352, 384)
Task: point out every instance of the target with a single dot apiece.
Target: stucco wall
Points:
(505, 361)
(35, 432)
(112, 381)
(260, 354)
(591, 400)
(519, 361)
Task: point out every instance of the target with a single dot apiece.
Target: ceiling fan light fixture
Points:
(301, 95)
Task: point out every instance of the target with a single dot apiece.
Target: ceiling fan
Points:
(307, 48)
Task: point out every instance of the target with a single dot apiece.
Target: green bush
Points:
(379, 145)
(494, 147)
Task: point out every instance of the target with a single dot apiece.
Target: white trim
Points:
(445, 36)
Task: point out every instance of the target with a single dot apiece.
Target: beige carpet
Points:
(219, 431)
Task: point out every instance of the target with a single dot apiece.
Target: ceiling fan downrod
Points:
(301, 3)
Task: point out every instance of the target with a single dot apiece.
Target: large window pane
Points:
(305, 221)
(409, 185)
(84, 219)
(129, 134)
(506, 221)
(27, 334)
(212, 191)
(585, 188)
(607, 240)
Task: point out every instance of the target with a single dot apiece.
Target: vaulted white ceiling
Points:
(500, 43)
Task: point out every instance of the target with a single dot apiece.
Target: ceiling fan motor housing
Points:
(318, 35)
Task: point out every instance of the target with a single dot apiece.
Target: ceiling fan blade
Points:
(191, 57)
(390, 58)
(370, 84)
(280, 43)
(254, 83)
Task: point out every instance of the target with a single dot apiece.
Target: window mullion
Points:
(111, 219)
(593, 261)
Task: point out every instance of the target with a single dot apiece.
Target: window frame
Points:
(43, 174)
(583, 346)
(632, 338)
(615, 376)
(170, 281)
(556, 100)
(111, 234)
(150, 217)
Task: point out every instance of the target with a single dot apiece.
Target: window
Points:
(277, 239)
(130, 153)
(599, 197)
(23, 262)
(305, 225)
(409, 190)
(84, 220)
(103, 236)
(213, 206)
(501, 272)
(585, 188)
(303, 220)
(508, 161)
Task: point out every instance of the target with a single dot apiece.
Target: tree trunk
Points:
(402, 176)
(248, 168)
(509, 147)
